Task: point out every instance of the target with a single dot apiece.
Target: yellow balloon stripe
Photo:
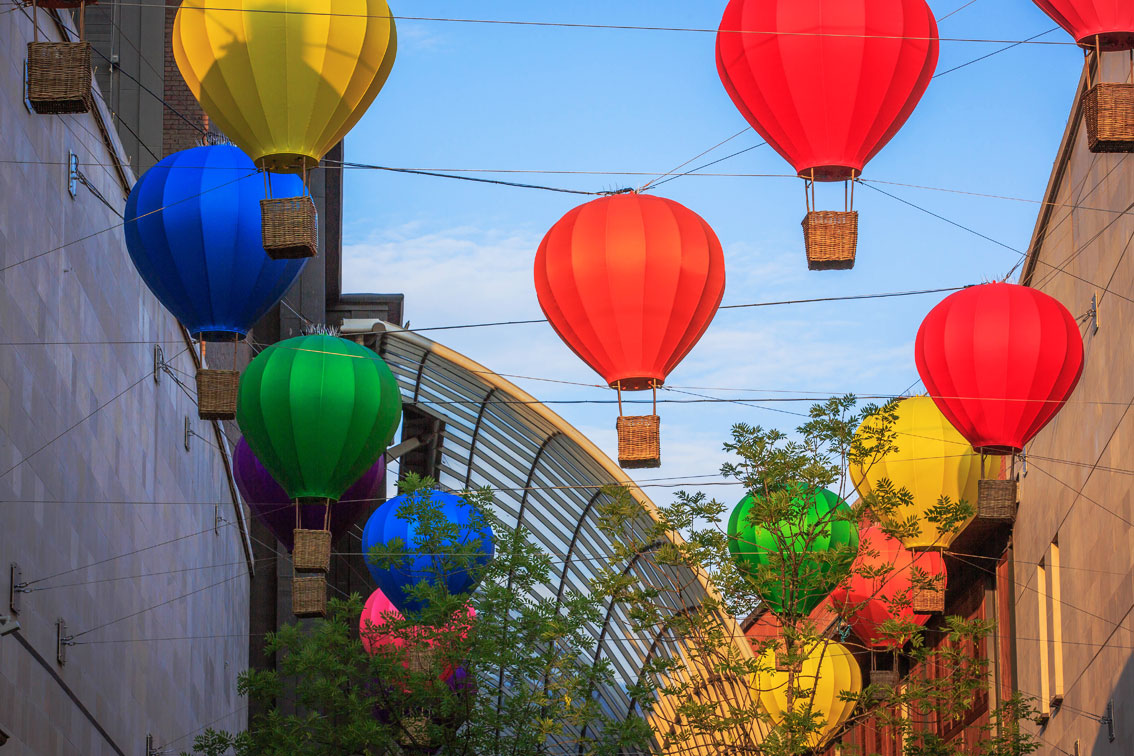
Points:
(285, 79)
(829, 671)
(932, 460)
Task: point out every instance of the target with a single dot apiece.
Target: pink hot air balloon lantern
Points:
(271, 506)
(379, 611)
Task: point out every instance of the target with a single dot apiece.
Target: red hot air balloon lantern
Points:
(630, 282)
(881, 586)
(827, 83)
(999, 360)
(1101, 26)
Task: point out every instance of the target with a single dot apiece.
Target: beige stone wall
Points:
(100, 502)
(1077, 490)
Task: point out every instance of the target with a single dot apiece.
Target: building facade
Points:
(123, 545)
(1074, 574)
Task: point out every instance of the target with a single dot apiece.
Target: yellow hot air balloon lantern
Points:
(932, 460)
(285, 80)
(827, 674)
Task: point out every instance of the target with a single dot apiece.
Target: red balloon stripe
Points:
(1000, 360)
(630, 282)
(834, 83)
(1112, 21)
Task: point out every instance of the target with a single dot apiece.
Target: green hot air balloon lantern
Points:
(317, 411)
(797, 562)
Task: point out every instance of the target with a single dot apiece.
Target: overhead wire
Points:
(82, 420)
(613, 27)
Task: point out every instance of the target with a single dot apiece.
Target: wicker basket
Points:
(312, 550)
(928, 600)
(996, 500)
(639, 441)
(216, 394)
(290, 228)
(416, 735)
(421, 659)
(831, 238)
(309, 596)
(59, 77)
(884, 678)
(1109, 112)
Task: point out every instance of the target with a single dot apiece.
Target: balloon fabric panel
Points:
(630, 283)
(876, 599)
(318, 411)
(932, 460)
(1113, 20)
(1000, 360)
(193, 232)
(285, 80)
(395, 581)
(828, 671)
(831, 81)
(752, 546)
(271, 505)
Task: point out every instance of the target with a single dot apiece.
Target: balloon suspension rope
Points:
(653, 386)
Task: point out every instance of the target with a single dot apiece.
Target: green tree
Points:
(707, 689)
(529, 659)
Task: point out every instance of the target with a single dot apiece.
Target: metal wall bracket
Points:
(1093, 314)
(72, 174)
(188, 433)
(27, 99)
(16, 586)
(159, 362)
(1108, 720)
(62, 640)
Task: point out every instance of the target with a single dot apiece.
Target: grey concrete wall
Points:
(1077, 492)
(109, 516)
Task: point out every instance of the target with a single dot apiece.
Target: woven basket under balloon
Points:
(312, 550)
(639, 441)
(59, 77)
(1109, 112)
(996, 500)
(416, 734)
(216, 394)
(421, 659)
(831, 238)
(309, 596)
(884, 678)
(290, 228)
(928, 600)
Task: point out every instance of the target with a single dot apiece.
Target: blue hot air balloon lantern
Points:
(395, 581)
(193, 231)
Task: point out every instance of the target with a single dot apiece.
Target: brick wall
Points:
(179, 133)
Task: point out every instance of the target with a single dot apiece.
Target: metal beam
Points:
(476, 433)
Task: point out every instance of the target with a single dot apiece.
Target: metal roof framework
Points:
(550, 478)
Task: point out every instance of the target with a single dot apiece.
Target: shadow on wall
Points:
(1121, 727)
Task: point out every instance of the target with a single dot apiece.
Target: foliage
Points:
(703, 676)
(530, 656)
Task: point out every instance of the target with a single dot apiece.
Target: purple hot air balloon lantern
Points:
(271, 506)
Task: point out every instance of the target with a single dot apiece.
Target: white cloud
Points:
(468, 275)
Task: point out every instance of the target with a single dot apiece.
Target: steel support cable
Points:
(996, 52)
(88, 416)
(1070, 216)
(120, 225)
(999, 243)
(228, 579)
(615, 27)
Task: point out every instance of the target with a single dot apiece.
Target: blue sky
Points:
(480, 96)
